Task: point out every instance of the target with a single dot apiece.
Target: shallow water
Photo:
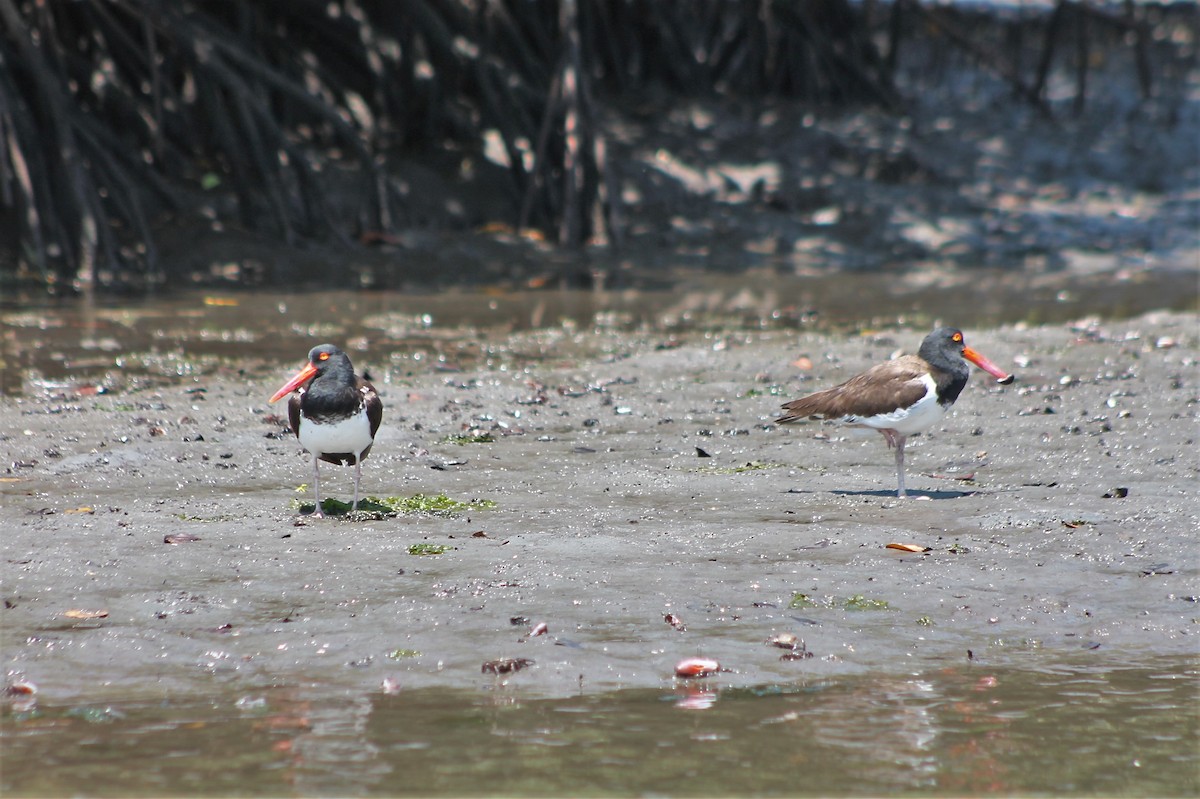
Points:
(181, 335)
(252, 660)
(1129, 729)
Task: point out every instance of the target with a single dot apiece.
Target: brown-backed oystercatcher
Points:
(334, 413)
(901, 397)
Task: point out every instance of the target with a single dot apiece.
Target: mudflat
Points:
(648, 482)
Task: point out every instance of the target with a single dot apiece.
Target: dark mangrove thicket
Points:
(118, 114)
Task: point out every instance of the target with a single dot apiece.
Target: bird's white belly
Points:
(351, 435)
(916, 418)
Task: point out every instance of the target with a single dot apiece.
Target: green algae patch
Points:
(370, 508)
(402, 654)
(860, 602)
(191, 517)
(425, 549)
(751, 466)
(804, 601)
(770, 391)
(468, 438)
(433, 504)
(856, 602)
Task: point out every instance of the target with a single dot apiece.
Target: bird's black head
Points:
(945, 349)
(329, 359)
(942, 343)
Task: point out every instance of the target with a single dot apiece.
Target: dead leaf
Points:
(86, 614)
(81, 509)
(909, 547)
(803, 363)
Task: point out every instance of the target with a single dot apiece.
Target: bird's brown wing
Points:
(294, 412)
(884, 388)
(373, 404)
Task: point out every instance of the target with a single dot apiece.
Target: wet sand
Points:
(1074, 539)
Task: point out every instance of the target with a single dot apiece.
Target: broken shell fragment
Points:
(85, 614)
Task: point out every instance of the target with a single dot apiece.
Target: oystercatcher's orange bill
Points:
(302, 377)
(987, 366)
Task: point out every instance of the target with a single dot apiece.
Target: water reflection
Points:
(103, 346)
(1088, 730)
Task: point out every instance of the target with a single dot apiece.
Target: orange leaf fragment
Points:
(81, 509)
(909, 547)
(86, 614)
(803, 362)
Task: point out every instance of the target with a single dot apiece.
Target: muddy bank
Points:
(1060, 514)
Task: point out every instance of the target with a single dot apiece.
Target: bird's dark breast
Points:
(330, 406)
(949, 385)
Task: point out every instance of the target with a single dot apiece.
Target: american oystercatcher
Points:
(901, 397)
(335, 414)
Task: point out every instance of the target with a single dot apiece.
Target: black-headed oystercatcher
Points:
(901, 397)
(334, 413)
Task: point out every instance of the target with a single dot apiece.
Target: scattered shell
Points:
(22, 696)
(541, 628)
(784, 641)
(697, 667)
(674, 621)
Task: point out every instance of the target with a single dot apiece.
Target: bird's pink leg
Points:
(357, 475)
(897, 441)
(317, 487)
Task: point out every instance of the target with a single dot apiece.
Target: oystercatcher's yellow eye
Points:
(957, 337)
(324, 356)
